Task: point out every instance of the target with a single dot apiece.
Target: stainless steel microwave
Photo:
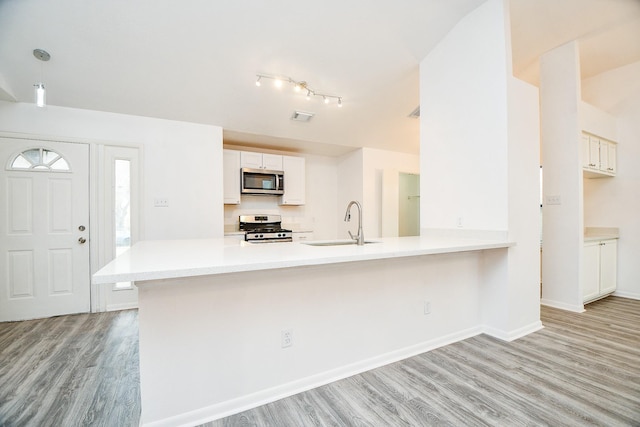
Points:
(261, 181)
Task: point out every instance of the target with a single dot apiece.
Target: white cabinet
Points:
(590, 152)
(249, 159)
(293, 167)
(231, 177)
(611, 153)
(294, 180)
(301, 236)
(598, 156)
(608, 262)
(599, 274)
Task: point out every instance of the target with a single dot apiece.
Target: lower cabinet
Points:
(599, 273)
(301, 236)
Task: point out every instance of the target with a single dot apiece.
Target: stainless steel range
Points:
(264, 229)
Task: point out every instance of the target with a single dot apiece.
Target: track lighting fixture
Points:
(298, 86)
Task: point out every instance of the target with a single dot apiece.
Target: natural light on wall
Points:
(122, 211)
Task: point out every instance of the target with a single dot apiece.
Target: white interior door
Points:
(44, 229)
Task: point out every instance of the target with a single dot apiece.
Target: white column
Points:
(562, 181)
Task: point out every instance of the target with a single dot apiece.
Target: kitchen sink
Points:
(335, 243)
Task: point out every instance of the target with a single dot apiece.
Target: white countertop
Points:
(166, 259)
(600, 233)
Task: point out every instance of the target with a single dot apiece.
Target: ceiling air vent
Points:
(415, 114)
(301, 116)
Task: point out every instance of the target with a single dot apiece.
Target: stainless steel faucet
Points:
(347, 217)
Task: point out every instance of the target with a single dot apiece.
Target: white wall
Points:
(597, 122)
(360, 177)
(615, 202)
(319, 212)
(346, 318)
(350, 179)
(375, 162)
(464, 125)
(479, 159)
(181, 162)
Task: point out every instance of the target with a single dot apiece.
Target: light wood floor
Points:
(582, 369)
(79, 370)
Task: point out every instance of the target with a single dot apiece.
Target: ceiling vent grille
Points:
(301, 116)
(415, 114)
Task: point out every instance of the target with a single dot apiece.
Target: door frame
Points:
(98, 223)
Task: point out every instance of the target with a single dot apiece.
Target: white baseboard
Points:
(124, 306)
(234, 406)
(515, 334)
(625, 294)
(563, 306)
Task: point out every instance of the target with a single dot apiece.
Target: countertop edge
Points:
(100, 278)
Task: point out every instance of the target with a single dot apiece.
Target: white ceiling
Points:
(196, 60)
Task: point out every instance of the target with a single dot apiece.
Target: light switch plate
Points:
(161, 202)
(553, 200)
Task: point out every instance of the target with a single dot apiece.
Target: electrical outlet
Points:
(161, 202)
(427, 307)
(286, 338)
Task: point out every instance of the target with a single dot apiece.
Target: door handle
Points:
(82, 240)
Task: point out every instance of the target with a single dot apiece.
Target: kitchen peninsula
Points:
(226, 325)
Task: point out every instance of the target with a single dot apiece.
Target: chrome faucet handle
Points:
(352, 236)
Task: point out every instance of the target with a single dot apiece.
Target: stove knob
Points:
(261, 236)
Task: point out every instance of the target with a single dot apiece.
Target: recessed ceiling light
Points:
(302, 116)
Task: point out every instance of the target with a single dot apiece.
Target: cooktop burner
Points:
(264, 229)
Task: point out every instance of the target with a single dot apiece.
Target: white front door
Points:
(44, 229)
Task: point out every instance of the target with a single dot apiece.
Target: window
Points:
(39, 159)
(122, 210)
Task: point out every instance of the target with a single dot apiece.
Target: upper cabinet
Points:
(294, 180)
(253, 160)
(598, 156)
(293, 167)
(231, 177)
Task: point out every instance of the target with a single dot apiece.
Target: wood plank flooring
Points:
(78, 370)
(582, 369)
